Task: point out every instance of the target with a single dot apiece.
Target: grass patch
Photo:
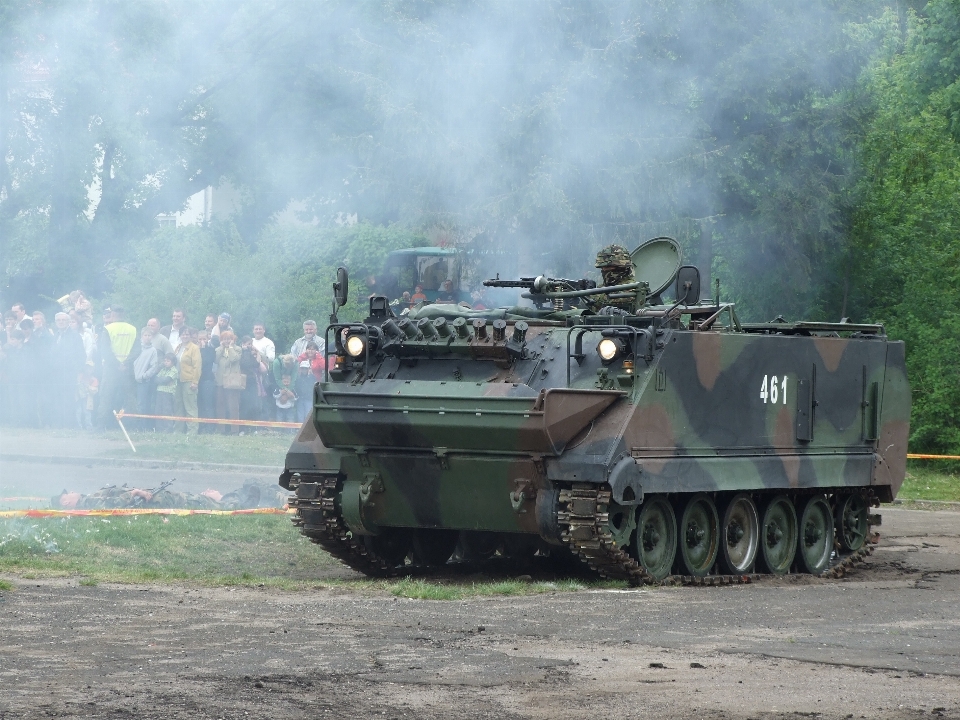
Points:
(421, 589)
(240, 550)
(924, 482)
(5, 585)
(218, 550)
(266, 448)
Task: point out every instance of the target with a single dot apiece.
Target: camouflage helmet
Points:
(614, 256)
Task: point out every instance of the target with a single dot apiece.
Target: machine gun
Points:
(541, 284)
(541, 288)
(561, 291)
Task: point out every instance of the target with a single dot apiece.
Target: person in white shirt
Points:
(172, 331)
(20, 313)
(262, 343)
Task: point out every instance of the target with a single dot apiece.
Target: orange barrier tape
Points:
(213, 421)
(137, 511)
(915, 456)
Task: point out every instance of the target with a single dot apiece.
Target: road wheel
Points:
(815, 541)
(391, 546)
(654, 543)
(434, 547)
(778, 535)
(739, 536)
(698, 536)
(851, 522)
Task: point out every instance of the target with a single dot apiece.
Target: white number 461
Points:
(776, 389)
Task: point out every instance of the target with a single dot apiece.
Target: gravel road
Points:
(884, 642)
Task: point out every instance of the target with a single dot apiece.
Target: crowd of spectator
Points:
(78, 373)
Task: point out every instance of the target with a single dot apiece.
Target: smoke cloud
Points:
(542, 129)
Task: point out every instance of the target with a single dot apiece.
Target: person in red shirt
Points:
(418, 296)
(313, 356)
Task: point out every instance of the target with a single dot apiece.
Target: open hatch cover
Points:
(656, 263)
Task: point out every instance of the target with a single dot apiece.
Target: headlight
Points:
(609, 348)
(355, 346)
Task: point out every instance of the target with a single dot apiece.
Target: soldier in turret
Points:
(616, 267)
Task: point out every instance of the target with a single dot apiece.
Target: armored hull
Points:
(683, 446)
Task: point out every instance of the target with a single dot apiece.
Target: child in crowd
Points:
(87, 387)
(314, 360)
(286, 400)
(167, 379)
(304, 390)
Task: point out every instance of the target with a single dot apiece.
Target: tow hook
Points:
(524, 492)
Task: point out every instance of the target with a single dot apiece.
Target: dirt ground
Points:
(883, 642)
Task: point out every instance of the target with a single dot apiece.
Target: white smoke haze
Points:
(533, 132)
(541, 129)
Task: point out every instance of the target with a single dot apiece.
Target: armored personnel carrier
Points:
(664, 439)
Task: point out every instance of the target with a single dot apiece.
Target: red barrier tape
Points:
(914, 456)
(136, 511)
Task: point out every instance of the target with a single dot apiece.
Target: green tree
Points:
(96, 131)
(904, 245)
(287, 280)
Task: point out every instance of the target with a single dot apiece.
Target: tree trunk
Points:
(108, 205)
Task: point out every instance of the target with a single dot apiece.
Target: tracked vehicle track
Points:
(583, 517)
(319, 519)
(585, 522)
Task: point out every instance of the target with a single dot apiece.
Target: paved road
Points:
(883, 642)
(30, 474)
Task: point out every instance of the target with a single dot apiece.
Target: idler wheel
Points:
(434, 547)
(391, 546)
(699, 536)
(654, 544)
(851, 522)
(778, 535)
(739, 535)
(815, 541)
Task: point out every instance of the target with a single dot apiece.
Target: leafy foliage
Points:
(284, 282)
(904, 240)
(806, 154)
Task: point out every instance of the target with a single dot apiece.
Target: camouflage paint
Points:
(462, 432)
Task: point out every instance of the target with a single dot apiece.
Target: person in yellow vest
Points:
(185, 400)
(119, 347)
